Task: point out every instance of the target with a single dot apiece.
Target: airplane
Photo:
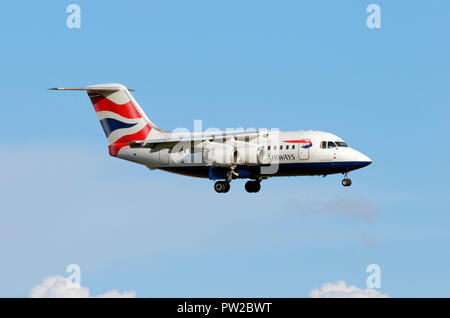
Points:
(221, 156)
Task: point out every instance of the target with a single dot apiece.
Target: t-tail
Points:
(120, 116)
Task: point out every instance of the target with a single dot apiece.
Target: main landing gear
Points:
(346, 182)
(253, 186)
(222, 186)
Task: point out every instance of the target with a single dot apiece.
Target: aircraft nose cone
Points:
(362, 159)
(365, 163)
(366, 159)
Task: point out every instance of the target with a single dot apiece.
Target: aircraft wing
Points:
(187, 137)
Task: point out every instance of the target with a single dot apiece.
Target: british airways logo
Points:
(122, 123)
(282, 157)
(110, 124)
(304, 143)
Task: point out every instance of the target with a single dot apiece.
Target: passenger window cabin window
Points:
(268, 147)
(281, 147)
(274, 147)
(287, 147)
(323, 144)
(293, 147)
(331, 144)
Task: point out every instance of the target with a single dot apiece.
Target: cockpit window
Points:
(341, 144)
(323, 144)
(331, 144)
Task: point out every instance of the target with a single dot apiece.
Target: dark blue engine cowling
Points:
(220, 173)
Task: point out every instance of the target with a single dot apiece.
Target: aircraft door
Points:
(303, 150)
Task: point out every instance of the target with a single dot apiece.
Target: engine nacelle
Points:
(251, 154)
(219, 154)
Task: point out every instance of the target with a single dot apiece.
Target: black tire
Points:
(219, 186)
(346, 182)
(252, 186)
(226, 187)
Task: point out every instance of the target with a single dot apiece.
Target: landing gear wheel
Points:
(219, 186)
(222, 186)
(252, 186)
(346, 182)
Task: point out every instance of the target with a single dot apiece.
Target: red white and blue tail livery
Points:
(221, 156)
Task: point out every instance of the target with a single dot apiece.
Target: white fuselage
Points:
(324, 154)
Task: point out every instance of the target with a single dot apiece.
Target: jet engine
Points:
(219, 154)
(251, 154)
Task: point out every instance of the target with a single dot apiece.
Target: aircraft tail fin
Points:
(120, 116)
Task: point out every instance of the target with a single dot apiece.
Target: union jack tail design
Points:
(120, 116)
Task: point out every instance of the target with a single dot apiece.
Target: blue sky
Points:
(262, 64)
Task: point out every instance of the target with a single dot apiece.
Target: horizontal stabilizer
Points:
(90, 88)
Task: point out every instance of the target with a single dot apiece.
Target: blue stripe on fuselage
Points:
(110, 124)
(284, 169)
(326, 166)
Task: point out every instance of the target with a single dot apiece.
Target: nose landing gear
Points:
(346, 182)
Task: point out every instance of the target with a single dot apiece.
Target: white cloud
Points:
(342, 290)
(116, 294)
(56, 287)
